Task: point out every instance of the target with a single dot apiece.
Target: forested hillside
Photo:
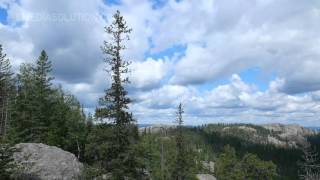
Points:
(210, 142)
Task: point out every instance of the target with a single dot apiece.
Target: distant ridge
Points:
(281, 135)
(317, 129)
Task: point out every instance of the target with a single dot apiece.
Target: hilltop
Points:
(280, 135)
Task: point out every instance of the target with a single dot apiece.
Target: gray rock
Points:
(39, 161)
(291, 134)
(280, 135)
(276, 142)
(157, 128)
(206, 177)
(248, 129)
(289, 130)
(209, 166)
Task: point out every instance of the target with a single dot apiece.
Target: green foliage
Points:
(93, 172)
(310, 165)
(32, 109)
(44, 114)
(255, 169)
(6, 92)
(114, 104)
(250, 167)
(117, 151)
(227, 166)
(7, 166)
(286, 159)
(98, 147)
(101, 152)
(161, 157)
(183, 162)
(67, 128)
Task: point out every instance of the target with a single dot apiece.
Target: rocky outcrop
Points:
(280, 135)
(275, 141)
(291, 135)
(157, 129)
(205, 177)
(248, 129)
(39, 161)
(290, 130)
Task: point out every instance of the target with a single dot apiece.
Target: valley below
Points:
(278, 143)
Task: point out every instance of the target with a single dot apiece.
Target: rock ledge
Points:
(40, 161)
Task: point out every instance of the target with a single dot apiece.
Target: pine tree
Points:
(228, 166)
(122, 160)
(43, 91)
(43, 114)
(22, 124)
(32, 111)
(6, 88)
(7, 166)
(182, 165)
(249, 167)
(76, 127)
(115, 102)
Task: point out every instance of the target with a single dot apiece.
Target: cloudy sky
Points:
(255, 61)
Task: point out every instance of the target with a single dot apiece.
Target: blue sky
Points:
(251, 61)
(3, 16)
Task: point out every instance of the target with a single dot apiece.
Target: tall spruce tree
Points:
(22, 124)
(44, 114)
(43, 91)
(43, 80)
(6, 92)
(183, 161)
(32, 110)
(121, 161)
(249, 167)
(115, 102)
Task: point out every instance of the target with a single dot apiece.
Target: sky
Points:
(227, 61)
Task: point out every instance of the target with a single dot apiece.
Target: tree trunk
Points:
(79, 150)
